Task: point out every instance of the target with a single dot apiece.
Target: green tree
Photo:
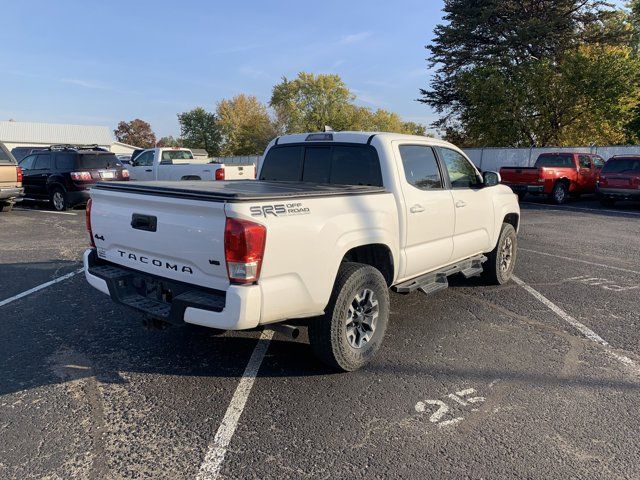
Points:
(136, 132)
(245, 126)
(309, 102)
(531, 72)
(169, 141)
(199, 129)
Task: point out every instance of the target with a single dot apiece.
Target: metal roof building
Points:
(24, 134)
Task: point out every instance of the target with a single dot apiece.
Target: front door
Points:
(429, 215)
(39, 175)
(473, 206)
(586, 174)
(142, 167)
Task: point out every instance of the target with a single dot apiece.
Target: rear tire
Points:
(350, 332)
(498, 269)
(559, 193)
(59, 200)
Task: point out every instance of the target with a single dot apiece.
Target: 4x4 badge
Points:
(99, 237)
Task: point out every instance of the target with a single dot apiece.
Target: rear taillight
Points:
(602, 181)
(244, 243)
(19, 174)
(220, 174)
(87, 217)
(125, 173)
(81, 176)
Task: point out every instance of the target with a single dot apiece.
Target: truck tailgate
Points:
(179, 239)
(239, 172)
(519, 175)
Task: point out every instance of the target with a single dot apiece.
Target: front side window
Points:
(462, 173)
(43, 162)
(420, 167)
(145, 159)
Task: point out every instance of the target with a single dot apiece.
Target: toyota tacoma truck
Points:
(180, 164)
(556, 175)
(333, 222)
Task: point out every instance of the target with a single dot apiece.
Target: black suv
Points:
(63, 174)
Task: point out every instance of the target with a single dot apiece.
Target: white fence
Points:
(492, 158)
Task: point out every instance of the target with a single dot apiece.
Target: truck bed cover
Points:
(238, 190)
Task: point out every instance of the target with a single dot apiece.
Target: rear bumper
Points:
(238, 308)
(525, 188)
(76, 197)
(13, 194)
(620, 193)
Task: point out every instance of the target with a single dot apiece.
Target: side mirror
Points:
(491, 178)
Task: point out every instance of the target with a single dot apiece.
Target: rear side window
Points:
(622, 165)
(66, 161)
(420, 167)
(27, 162)
(5, 158)
(43, 162)
(283, 164)
(585, 161)
(92, 160)
(559, 161)
(336, 164)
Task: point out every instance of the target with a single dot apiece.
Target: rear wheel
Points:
(559, 193)
(59, 200)
(350, 332)
(498, 269)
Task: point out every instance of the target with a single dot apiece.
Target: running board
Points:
(435, 281)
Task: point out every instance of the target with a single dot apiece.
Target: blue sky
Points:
(91, 62)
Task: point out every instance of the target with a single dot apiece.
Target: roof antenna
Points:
(327, 128)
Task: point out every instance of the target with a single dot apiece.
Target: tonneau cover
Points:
(237, 190)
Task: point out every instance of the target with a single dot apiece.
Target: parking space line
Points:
(580, 261)
(210, 468)
(44, 211)
(569, 207)
(39, 287)
(586, 331)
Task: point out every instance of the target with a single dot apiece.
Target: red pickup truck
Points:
(556, 175)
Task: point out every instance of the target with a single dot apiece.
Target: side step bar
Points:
(435, 281)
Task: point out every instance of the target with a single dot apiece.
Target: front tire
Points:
(498, 269)
(350, 332)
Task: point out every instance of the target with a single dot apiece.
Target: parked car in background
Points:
(178, 164)
(20, 152)
(124, 159)
(11, 190)
(335, 220)
(63, 174)
(556, 175)
(619, 179)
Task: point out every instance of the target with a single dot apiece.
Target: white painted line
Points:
(569, 207)
(586, 331)
(45, 211)
(210, 468)
(39, 287)
(580, 261)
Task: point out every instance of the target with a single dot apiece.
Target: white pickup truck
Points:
(179, 164)
(334, 221)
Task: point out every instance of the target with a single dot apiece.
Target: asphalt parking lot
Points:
(539, 378)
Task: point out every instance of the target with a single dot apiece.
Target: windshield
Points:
(555, 161)
(89, 161)
(622, 165)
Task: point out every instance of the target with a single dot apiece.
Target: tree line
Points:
(243, 125)
(522, 73)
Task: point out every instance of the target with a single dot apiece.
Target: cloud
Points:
(354, 38)
(85, 83)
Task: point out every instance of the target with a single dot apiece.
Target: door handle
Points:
(416, 208)
(148, 170)
(461, 203)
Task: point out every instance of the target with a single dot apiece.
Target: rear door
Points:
(171, 237)
(429, 210)
(39, 175)
(586, 174)
(474, 212)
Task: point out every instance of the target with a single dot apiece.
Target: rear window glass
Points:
(622, 165)
(66, 161)
(5, 158)
(555, 161)
(89, 161)
(169, 156)
(336, 164)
